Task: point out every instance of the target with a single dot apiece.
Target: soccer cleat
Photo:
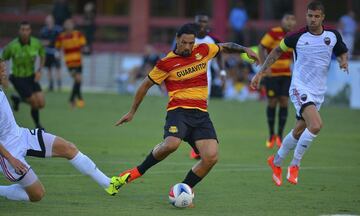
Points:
(277, 172)
(271, 141)
(80, 103)
(116, 183)
(132, 174)
(194, 155)
(278, 141)
(292, 175)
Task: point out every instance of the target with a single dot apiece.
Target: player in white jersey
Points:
(17, 142)
(313, 47)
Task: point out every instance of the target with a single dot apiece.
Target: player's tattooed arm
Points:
(231, 47)
(271, 59)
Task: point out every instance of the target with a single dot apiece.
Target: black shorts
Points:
(25, 86)
(51, 61)
(75, 70)
(277, 86)
(189, 125)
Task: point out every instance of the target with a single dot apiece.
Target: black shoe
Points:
(15, 102)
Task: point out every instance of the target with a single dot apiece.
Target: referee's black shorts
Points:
(189, 125)
(277, 86)
(25, 86)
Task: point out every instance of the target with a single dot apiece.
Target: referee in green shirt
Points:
(23, 52)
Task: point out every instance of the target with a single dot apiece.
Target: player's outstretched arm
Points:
(231, 47)
(343, 62)
(270, 59)
(19, 167)
(140, 94)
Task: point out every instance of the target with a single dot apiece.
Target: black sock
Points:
(147, 163)
(270, 113)
(35, 117)
(73, 93)
(283, 112)
(78, 90)
(51, 85)
(192, 179)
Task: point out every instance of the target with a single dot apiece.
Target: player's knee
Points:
(37, 195)
(315, 127)
(70, 150)
(171, 144)
(210, 159)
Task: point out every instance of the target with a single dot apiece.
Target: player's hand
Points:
(37, 76)
(255, 82)
(126, 118)
(344, 66)
(20, 167)
(252, 55)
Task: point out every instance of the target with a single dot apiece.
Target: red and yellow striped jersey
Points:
(185, 77)
(71, 43)
(271, 40)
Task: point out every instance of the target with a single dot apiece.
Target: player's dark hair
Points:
(24, 23)
(316, 5)
(189, 28)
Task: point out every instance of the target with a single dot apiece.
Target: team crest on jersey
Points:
(303, 97)
(198, 56)
(271, 93)
(327, 41)
(173, 129)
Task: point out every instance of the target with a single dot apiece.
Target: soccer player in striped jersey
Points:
(184, 73)
(71, 42)
(16, 143)
(313, 47)
(278, 80)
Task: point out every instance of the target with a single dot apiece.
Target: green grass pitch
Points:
(240, 184)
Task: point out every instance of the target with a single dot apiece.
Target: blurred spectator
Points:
(347, 28)
(48, 35)
(239, 75)
(237, 20)
(89, 25)
(61, 12)
(151, 56)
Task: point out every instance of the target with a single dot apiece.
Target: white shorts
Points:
(36, 143)
(301, 98)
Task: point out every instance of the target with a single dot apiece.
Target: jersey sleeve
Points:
(82, 39)
(267, 41)
(214, 49)
(41, 49)
(6, 54)
(58, 42)
(157, 76)
(340, 46)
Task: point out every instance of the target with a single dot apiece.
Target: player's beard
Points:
(185, 53)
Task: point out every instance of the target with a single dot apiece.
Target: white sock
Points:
(87, 167)
(303, 145)
(14, 192)
(288, 144)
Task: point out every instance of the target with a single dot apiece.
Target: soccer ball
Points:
(181, 195)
